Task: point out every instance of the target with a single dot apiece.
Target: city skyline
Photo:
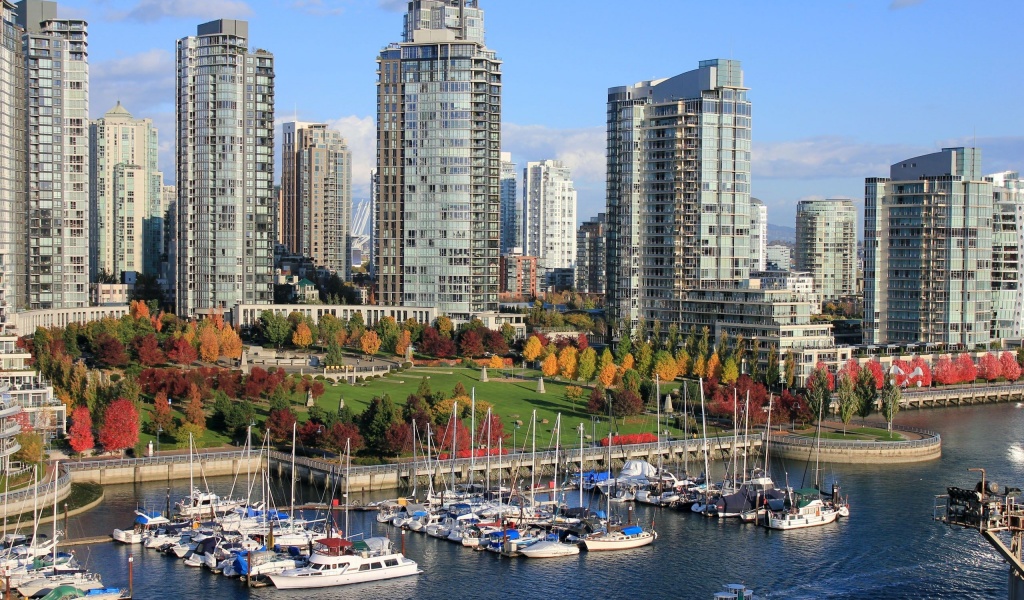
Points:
(802, 147)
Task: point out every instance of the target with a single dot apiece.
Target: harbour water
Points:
(888, 548)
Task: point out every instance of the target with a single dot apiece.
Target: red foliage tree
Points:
(495, 433)
(945, 371)
(162, 416)
(398, 439)
(851, 368)
(110, 351)
(149, 352)
(340, 433)
(120, 426)
(80, 435)
(279, 424)
(471, 344)
(989, 367)
(181, 352)
(597, 404)
(966, 371)
(447, 432)
(758, 395)
(794, 407)
(229, 382)
(877, 372)
(582, 343)
(495, 343)
(311, 434)
(1011, 369)
(626, 403)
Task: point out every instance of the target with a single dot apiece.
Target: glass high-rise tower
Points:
(225, 163)
(439, 162)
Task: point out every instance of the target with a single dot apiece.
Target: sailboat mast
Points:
(581, 464)
(472, 433)
(292, 506)
(608, 496)
(453, 426)
(56, 471)
(817, 449)
(768, 433)
(415, 473)
(704, 421)
(735, 436)
(686, 433)
(746, 433)
(487, 478)
(348, 471)
(533, 468)
(558, 439)
(657, 402)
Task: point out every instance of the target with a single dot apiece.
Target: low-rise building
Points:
(518, 275)
(108, 294)
(801, 283)
(24, 386)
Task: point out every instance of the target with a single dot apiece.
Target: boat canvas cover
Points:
(380, 545)
(632, 530)
(638, 469)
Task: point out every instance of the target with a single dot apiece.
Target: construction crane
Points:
(996, 514)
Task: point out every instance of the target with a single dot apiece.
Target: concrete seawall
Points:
(928, 447)
(164, 468)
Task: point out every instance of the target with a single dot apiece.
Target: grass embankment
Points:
(82, 494)
(856, 434)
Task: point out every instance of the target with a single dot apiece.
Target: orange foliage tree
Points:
(302, 337)
(209, 344)
(230, 343)
(550, 366)
(369, 343)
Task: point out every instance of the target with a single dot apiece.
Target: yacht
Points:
(619, 539)
(337, 562)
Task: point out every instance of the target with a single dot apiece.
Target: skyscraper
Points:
(928, 252)
(57, 156)
(591, 256)
(826, 246)
(1007, 252)
(549, 216)
(225, 164)
(316, 185)
(13, 247)
(126, 195)
(439, 162)
(758, 235)
(511, 207)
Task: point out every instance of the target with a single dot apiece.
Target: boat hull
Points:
(550, 549)
(802, 521)
(601, 544)
(405, 568)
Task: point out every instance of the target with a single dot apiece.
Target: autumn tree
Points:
(342, 432)
(110, 351)
(819, 390)
(230, 343)
(496, 362)
(471, 344)
(302, 337)
(607, 375)
(730, 372)
(644, 359)
(445, 326)
(1011, 370)
(120, 426)
(682, 362)
(568, 362)
(989, 367)
(148, 350)
(588, 364)
(162, 416)
(181, 352)
(550, 366)
(532, 349)
(209, 344)
(597, 403)
(279, 424)
(713, 368)
(80, 435)
(370, 343)
(194, 412)
(403, 342)
(490, 430)
(966, 370)
(665, 366)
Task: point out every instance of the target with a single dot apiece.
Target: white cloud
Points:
(148, 11)
(582, 150)
(827, 157)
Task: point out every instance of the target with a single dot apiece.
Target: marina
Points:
(892, 504)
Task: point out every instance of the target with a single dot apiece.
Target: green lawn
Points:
(512, 400)
(862, 434)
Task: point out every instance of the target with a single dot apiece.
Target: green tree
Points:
(644, 359)
(891, 398)
(509, 333)
(818, 392)
(703, 346)
(846, 394)
(606, 359)
(866, 393)
(445, 327)
(588, 365)
(329, 327)
(672, 341)
(376, 420)
(388, 330)
(335, 357)
(790, 367)
(730, 372)
(771, 375)
(276, 328)
(622, 349)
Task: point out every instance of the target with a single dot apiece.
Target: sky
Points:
(840, 90)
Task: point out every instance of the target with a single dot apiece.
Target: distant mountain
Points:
(781, 233)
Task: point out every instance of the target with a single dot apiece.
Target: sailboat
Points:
(552, 546)
(809, 507)
(336, 561)
(199, 503)
(617, 538)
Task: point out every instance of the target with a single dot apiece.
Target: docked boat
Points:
(551, 547)
(619, 539)
(43, 585)
(806, 508)
(144, 523)
(337, 562)
(67, 592)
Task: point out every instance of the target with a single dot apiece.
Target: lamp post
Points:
(594, 422)
(319, 432)
(159, 430)
(516, 429)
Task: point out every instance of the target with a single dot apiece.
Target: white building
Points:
(779, 257)
(549, 217)
(1007, 250)
(801, 283)
(25, 387)
(126, 196)
(758, 235)
(225, 164)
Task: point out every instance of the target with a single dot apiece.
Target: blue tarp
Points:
(632, 530)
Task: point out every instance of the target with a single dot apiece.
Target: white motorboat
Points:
(337, 562)
(42, 585)
(550, 549)
(807, 513)
(622, 539)
(200, 504)
(144, 522)
(264, 562)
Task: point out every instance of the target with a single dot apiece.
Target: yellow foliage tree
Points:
(230, 343)
(550, 366)
(302, 337)
(568, 362)
(607, 375)
(698, 367)
(496, 362)
(683, 363)
(665, 366)
(209, 344)
(714, 367)
(403, 343)
(628, 362)
(370, 343)
(532, 349)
